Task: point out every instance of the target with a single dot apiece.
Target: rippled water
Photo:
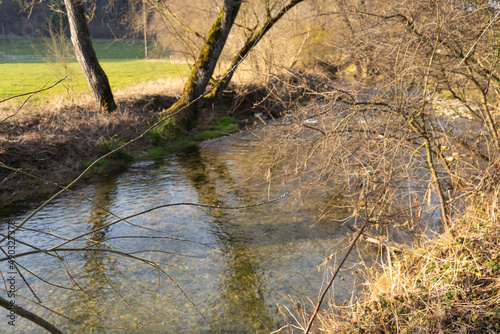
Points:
(236, 266)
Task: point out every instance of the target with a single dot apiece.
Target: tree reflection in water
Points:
(241, 300)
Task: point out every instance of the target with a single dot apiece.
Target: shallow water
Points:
(235, 265)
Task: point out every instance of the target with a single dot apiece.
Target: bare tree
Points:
(80, 37)
(205, 64)
(193, 99)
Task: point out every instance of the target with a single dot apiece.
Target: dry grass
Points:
(57, 144)
(450, 285)
(168, 86)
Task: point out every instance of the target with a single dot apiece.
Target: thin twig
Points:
(29, 97)
(320, 301)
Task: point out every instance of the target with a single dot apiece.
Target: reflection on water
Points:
(234, 265)
(240, 302)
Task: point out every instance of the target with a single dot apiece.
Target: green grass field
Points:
(24, 69)
(38, 50)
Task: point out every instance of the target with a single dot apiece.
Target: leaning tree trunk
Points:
(80, 37)
(251, 41)
(191, 99)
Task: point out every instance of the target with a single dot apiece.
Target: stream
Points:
(245, 270)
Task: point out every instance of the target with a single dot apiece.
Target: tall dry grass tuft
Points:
(449, 285)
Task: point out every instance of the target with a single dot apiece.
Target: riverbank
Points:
(450, 284)
(42, 148)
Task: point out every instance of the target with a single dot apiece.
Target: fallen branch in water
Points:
(391, 245)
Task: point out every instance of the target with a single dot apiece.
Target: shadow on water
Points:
(240, 304)
(101, 205)
(93, 274)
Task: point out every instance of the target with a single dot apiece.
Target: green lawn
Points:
(24, 70)
(38, 50)
(18, 78)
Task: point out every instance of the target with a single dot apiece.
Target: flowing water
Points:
(241, 268)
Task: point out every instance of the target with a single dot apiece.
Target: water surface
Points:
(239, 267)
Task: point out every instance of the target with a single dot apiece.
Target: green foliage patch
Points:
(111, 144)
(208, 134)
(225, 124)
(164, 131)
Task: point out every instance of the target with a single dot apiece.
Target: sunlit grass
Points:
(19, 78)
(39, 50)
(25, 69)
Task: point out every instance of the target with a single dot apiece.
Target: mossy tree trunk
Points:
(207, 60)
(251, 41)
(204, 67)
(80, 37)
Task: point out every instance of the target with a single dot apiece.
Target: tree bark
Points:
(249, 44)
(191, 99)
(80, 37)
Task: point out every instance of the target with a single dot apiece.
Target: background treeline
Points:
(26, 19)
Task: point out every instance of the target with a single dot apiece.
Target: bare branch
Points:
(29, 315)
